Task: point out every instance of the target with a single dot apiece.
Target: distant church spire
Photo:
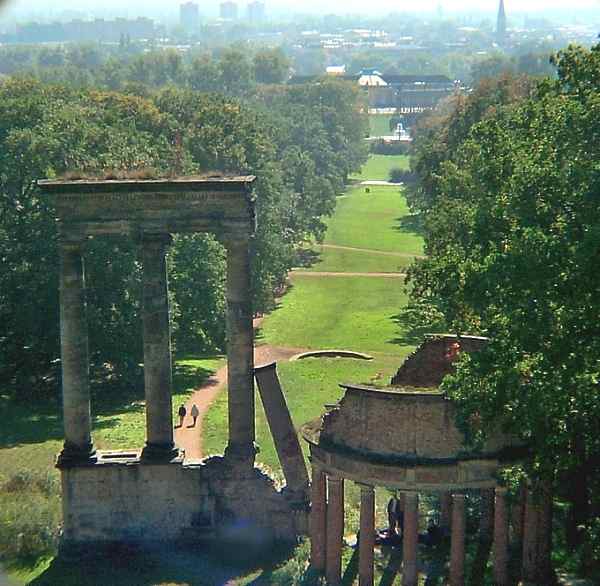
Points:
(501, 24)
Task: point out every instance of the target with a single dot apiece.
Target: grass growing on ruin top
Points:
(378, 220)
(378, 167)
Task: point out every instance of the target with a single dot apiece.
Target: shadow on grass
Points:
(126, 566)
(32, 423)
(408, 333)
(410, 224)
(259, 335)
(306, 258)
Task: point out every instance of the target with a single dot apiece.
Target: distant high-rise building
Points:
(189, 16)
(256, 11)
(501, 24)
(229, 10)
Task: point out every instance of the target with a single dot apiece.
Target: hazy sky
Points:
(133, 7)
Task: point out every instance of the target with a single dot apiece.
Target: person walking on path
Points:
(182, 413)
(195, 413)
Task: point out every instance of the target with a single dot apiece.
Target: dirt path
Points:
(189, 437)
(332, 274)
(371, 251)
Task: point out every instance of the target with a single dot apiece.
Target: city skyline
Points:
(376, 7)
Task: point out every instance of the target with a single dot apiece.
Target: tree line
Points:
(301, 142)
(508, 187)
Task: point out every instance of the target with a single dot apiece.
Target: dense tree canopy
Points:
(510, 198)
(301, 155)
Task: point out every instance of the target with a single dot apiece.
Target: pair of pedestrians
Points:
(194, 412)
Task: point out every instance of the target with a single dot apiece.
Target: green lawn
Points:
(125, 426)
(377, 220)
(351, 261)
(379, 124)
(309, 385)
(378, 167)
(351, 313)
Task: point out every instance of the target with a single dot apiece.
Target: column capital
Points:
(72, 241)
(237, 241)
(155, 239)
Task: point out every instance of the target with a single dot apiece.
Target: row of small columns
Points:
(78, 447)
(327, 532)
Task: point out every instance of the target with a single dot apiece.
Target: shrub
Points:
(29, 516)
(381, 147)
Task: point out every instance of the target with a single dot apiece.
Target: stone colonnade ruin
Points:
(404, 438)
(154, 494)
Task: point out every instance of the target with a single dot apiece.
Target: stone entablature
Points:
(223, 206)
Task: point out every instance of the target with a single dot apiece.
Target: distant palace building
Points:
(407, 94)
(86, 30)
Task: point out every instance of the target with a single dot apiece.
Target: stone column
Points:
(283, 431)
(78, 446)
(445, 510)
(410, 539)
(486, 519)
(366, 544)
(457, 542)
(500, 538)
(544, 533)
(335, 530)
(157, 350)
(517, 515)
(240, 354)
(318, 519)
(530, 539)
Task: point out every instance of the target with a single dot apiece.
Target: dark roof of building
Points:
(393, 78)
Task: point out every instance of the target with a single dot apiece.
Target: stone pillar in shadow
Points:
(530, 538)
(158, 376)
(78, 448)
(335, 530)
(410, 539)
(500, 538)
(367, 536)
(282, 429)
(446, 511)
(457, 541)
(318, 519)
(240, 355)
(486, 518)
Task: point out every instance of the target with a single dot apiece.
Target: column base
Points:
(72, 456)
(241, 454)
(160, 453)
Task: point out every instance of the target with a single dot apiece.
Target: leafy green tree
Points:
(512, 241)
(271, 66)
